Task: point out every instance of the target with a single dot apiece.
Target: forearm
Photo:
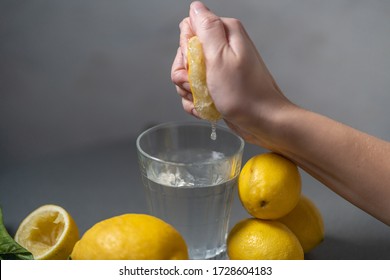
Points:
(353, 164)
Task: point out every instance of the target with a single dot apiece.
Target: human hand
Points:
(242, 88)
(252, 104)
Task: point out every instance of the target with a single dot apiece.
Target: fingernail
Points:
(194, 113)
(198, 7)
(189, 97)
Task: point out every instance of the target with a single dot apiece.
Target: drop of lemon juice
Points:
(213, 134)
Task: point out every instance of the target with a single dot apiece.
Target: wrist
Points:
(277, 124)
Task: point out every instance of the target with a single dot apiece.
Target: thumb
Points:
(208, 27)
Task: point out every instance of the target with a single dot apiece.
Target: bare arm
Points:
(351, 163)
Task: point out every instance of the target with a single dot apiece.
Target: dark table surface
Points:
(99, 182)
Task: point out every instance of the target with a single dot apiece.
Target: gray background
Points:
(79, 80)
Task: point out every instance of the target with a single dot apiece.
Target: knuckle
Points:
(174, 76)
(235, 22)
(178, 77)
(210, 21)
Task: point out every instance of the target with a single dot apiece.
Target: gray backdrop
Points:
(80, 79)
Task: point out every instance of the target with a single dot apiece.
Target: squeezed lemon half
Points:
(49, 233)
(203, 102)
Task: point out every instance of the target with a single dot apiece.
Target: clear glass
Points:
(189, 181)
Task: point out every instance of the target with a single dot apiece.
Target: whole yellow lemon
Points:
(255, 239)
(131, 237)
(269, 186)
(306, 222)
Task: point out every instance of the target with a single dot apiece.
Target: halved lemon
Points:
(203, 102)
(48, 232)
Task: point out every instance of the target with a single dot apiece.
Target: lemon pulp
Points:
(48, 232)
(203, 102)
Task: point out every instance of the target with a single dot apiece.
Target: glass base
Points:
(221, 256)
(216, 254)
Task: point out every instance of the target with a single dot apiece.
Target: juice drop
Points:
(213, 134)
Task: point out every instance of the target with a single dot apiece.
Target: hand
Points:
(242, 88)
(350, 162)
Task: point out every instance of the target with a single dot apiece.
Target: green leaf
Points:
(9, 248)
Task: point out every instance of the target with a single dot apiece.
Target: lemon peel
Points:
(255, 239)
(306, 222)
(269, 186)
(203, 102)
(131, 237)
(49, 233)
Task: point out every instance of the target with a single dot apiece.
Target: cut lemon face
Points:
(203, 102)
(49, 233)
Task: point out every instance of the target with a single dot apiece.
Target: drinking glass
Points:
(189, 181)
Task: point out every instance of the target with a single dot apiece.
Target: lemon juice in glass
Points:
(189, 181)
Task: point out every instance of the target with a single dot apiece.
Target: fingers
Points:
(184, 93)
(236, 36)
(208, 27)
(186, 33)
(188, 106)
(205, 24)
(179, 75)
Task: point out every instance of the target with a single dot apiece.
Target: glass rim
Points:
(188, 123)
